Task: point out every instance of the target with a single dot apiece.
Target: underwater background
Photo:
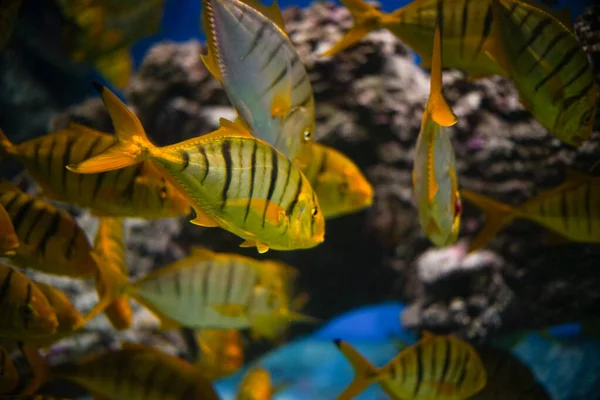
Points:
(376, 281)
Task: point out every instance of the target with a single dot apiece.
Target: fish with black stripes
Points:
(231, 179)
(435, 186)
(24, 309)
(109, 247)
(9, 376)
(50, 239)
(549, 67)
(137, 372)
(435, 368)
(250, 54)
(467, 27)
(137, 191)
(569, 210)
(338, 182)
(9, 240)
(221, 352)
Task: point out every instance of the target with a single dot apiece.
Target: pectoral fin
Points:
(261, 247)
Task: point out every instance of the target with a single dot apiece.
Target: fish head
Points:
(68, 316)
(298, 131)
(576, 118)
(38, 317)
(307, 223)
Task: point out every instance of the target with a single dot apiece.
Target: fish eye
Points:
(307, 135)
(314, 211)
(586, 117)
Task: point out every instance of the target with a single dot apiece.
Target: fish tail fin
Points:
(132, 146)
(440, 110)
(6, 146)
(497, 215)
(365, 373)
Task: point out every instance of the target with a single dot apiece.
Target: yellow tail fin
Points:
(353, 36)
(365, 372)
(437, 105)
(6, 145)
(497, 214)
(132, 147)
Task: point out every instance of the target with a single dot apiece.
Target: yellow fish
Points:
(466, 31)
(440, 367)
(109, 247)
(137, 372)
(24, 309)
(221, 352)
(9, 377)
(568, 210)
(136, 191)
(50, 239)
(435, 185)
(250, 54)
(256, 385)
(9, 240)
(68, 316)
(340, 186)
(230, 178)
(551, 71)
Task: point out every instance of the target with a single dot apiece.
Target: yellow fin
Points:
(210, 59)
(440, 111)
(203, 219)
(6, 146)
(353, 36)
(202, 252)
(272, 12)
(236, 127)
(281, 104)
(239, 120)
(365, 373)
(231, 310)
(126, 123)
(273, 212)
(261, 247)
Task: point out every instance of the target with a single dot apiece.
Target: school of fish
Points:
(263, 178)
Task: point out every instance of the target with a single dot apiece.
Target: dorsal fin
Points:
(211, 58)
(273, 12)
(437, 105)
(563, 15)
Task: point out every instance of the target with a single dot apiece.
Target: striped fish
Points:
(9, 240)
(68, 316)
(23, 307)
(255, 385)
(138, 372)
(230, 178)
(50, 239)
(250, 54)
(466, 31)
(435, 368)
(340, 186)
(137, 191)
(109, 247)
(435, 186)
(9, 377)
(550, 69)
(570, 210)
(221, 352)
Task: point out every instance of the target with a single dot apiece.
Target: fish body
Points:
(50, 239)
(138, 372)
(569, 210)
(340, 185)
(221, 352)
(550, 69)
(436, 367)
(435, 185)
(68, 316)
(109, 247)
(24, 309)
(230, 178)
(466, 31)
(136, 191)
(255, 385)
(9, 376)
(9, 240)
(250, 54)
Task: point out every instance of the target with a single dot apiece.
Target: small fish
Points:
(221, 352)
(250, 54)
(136, 191)
(340, 186)
(9, 376)
(550, 69)
(9, 240)
(50, 239)
(436, 367)
(137, 372)
(435, 186)
(466, 31)
(568, 210)
(9, 14)
(109, 247)
(230, 178)
(256, 385)
(24, 309)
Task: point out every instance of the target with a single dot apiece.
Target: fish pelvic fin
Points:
(497, 215)
(365, 373)
(132, 146)
(440, 110)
